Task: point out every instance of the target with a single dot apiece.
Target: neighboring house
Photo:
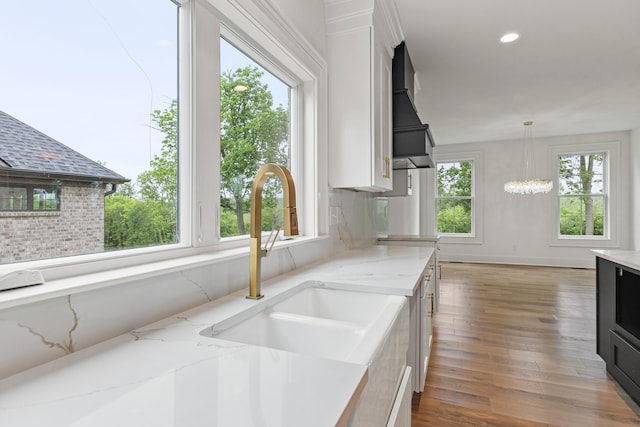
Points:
(51, 197)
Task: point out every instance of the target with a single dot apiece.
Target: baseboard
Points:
(515, 260)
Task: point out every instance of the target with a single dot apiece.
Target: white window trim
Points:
(476, 235)
(613, 210)
(200, 243)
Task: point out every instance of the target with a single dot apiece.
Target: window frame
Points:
(612, 209)
(604, 195)
(476, 235)
(200, 24)
(471, 198)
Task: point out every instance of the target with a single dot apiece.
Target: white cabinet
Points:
(401, 412)
(422, 308)
(428, 311)
(360, 51)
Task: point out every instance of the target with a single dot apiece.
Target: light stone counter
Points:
(167, 374)
(622, 257)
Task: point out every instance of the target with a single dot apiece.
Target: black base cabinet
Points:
(618, 347)
(625, 365)
(605, 306)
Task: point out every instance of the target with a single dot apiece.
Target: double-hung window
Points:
(457, 203)
(587, 203)
(454, 198)
(582, 194)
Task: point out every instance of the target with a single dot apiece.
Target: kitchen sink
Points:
(325, 322)
(322, 320)
(361, 308)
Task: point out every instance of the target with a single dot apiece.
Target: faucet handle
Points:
(267, 247)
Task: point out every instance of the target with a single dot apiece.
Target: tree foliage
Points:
(253, 133)
(160, 183)
(131, 222)
(147, 215)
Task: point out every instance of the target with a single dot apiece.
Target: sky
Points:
(88, 73)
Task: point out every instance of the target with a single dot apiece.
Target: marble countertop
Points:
(623, 257)
(167, 374)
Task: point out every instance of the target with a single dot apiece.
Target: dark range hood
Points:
(412, 141)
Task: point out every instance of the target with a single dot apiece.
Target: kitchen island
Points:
(618, 317)
(167, 374)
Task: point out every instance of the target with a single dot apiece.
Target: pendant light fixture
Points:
(528, 185)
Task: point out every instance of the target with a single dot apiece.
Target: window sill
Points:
(30, 214)
(586, 242)
(462, 239)
(116, 276)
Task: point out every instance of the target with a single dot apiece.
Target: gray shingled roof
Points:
(25, 149)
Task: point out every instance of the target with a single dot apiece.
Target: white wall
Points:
(403, 213)
(634, 191)
(517, 229)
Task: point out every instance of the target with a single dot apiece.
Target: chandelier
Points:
(528, 185)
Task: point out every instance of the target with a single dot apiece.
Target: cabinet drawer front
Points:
(625, 364)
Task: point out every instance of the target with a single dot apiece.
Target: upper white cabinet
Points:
(361, 36)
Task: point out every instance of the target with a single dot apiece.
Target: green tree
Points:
(131, 222)
(160, 182)
(148, 216)
(253, 133)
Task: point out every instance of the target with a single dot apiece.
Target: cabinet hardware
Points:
(427, 277)
(431, 297)
(387, 169)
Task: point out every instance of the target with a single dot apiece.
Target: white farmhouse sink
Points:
(331, 323)
(348, 306)
(322, 320)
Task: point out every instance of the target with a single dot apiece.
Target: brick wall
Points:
(78, 228)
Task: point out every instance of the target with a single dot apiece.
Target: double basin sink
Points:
(316, 318)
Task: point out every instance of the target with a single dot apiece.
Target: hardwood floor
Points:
(515, 346)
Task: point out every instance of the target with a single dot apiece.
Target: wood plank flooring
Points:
(515, 346)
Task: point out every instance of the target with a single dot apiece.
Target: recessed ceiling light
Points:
(509, 37)
(240, 88)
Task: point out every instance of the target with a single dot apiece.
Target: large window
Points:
(137, 171)
(454, 198)
(582, 194)
(89, 96)
(254, 114)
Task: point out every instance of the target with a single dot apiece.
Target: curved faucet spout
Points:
(290, 219)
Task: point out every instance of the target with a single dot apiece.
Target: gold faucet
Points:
(290, 220)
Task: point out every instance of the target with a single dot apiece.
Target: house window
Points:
(29, 198)
(13, 198)
(46, 199)
(254, 130)
(454, 198)
(582, 194)
(588, 208)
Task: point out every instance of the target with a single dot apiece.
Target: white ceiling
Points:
(574, 70)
